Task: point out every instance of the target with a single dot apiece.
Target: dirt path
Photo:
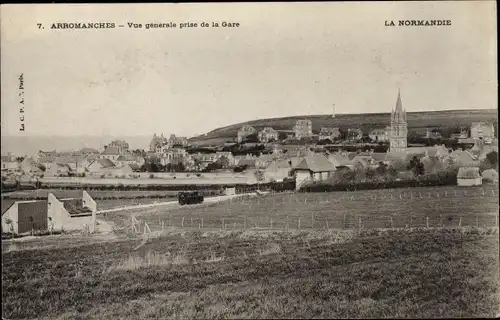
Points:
(207, 200)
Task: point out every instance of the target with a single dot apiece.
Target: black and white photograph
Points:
(279, 160)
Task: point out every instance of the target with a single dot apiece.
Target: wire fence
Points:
(475, 207)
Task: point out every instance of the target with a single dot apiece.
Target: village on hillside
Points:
(273, 155)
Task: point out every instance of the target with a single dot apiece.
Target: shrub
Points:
(103, 176)
(151, 176)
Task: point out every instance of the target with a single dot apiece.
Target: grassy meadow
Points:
(448, 206)
(258, 274)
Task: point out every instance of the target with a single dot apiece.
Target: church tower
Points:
(399, 130)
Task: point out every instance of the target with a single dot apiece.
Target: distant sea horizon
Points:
(30, 145)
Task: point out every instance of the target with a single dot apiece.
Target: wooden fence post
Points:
(234, 225)
(223, 224)
(182, 222)
(327, 227)
(191, 222)
(392, 224)
(427, 221)
(244, 222)
(271, 224)
(299, 224)
(359, 223)
(460, 222)
(312, 221)
(202, 222)
(477, 221)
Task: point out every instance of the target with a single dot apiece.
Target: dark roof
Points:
(316, 163)
(70, 159)
(351, 155)
(127, 157)
(111, 150)
(248, 162)
(134, 166)
(89, 150)
(339, 160)
(106, 163)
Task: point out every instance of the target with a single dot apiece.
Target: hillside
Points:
(417, 123)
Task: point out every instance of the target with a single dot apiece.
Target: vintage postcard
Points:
(250, 160)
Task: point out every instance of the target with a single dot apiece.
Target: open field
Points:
(251, 274)
(417, 123)
(447, 206)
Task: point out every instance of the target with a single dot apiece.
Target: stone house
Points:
(328, 133)
(354, 134)
(482, 130)
(433, 133)
(245, 131)
(268, 134)
(9, 162)
(175, 141)
(303, 129)
(112, 153)
(380, 135)
(313, 168)
(173, 156)
(125, 159)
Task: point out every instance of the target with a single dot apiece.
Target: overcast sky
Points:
(285, 59)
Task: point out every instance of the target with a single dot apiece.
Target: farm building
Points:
(313, 168)
(469, 176)
(9, 162)
(58, 170)
(101, 166)
(490, 175)
(51, 214)
(278, 170)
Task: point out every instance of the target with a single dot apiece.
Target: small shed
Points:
(230, 191)
(490, 175)
(469, 176)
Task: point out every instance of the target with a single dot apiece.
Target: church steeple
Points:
(399, 104)
(399, 130)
